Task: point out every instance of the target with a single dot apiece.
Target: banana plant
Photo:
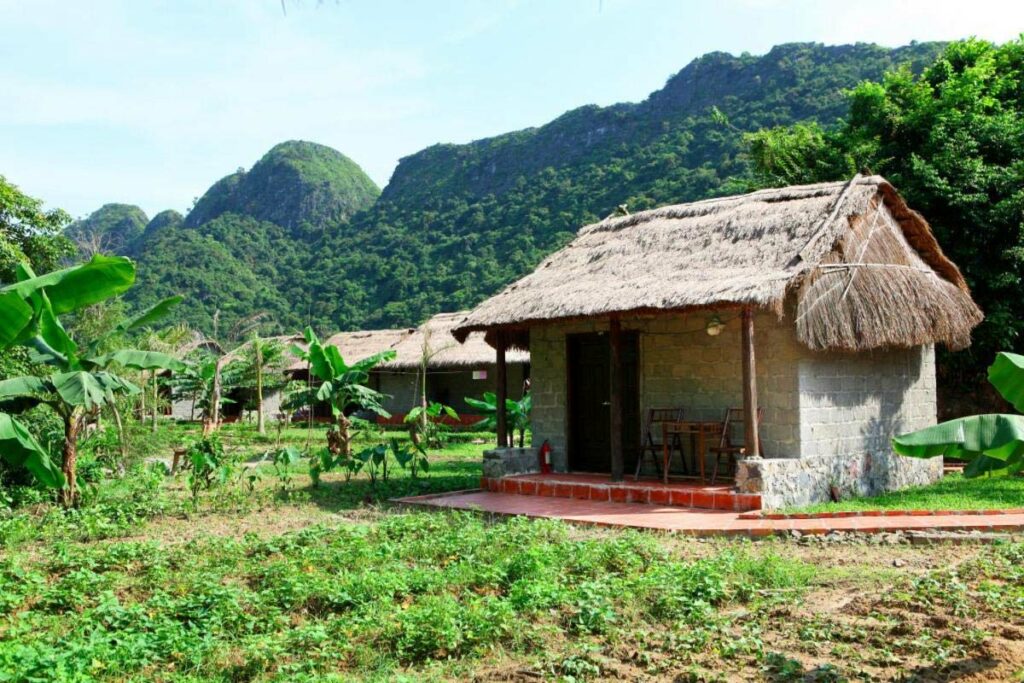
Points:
(343, 387)
(517, 413)
(81, 380)
(20, 316)
(991, 444)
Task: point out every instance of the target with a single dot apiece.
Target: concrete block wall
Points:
(854, 403)
(851, 405)
(681, 365)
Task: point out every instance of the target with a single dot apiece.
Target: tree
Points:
(81, 380)
(262, 360)
(951, 140)
(28, 234)
(343, 387)
(170, 341)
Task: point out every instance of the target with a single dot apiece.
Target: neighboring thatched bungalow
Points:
(820, 304)
(454, 371)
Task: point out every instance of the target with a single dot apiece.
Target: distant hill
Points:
(110, 228)
(458, 222)
(304, 236)
(301, 186)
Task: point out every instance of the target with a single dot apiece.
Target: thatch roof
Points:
(860, 278)
(443, 349)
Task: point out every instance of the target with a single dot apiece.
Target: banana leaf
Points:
(141, 360)
(80, 388)
(995, 441)
(18, 447)
(21, 393)
(79, 286)
(151, 315)
(15, 317)
(1007, 375)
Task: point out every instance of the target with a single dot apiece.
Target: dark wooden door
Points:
(589, 368)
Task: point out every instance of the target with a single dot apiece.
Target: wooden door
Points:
(589, 370)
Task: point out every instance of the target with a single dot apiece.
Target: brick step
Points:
(651, 493)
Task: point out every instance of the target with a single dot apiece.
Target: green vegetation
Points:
(950, 139)
(110, 229)
(303, 237)
(75, 382)
(952, 492)
(988, 443)
(458, 222)
(28, 233)
(262, 577)
(411, 592)
(343, 387)
(301, 186)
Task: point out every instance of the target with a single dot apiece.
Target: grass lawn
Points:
(275, 580)
(952, 492)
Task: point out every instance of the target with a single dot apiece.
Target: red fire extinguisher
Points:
(544, 456)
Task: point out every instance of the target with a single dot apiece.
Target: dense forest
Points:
(304, 237)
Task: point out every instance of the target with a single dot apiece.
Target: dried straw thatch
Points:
(863, 268)
(443, 351)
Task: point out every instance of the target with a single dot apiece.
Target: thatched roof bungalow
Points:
(454, 370)
(848, 291)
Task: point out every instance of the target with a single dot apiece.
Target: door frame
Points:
(569, 431)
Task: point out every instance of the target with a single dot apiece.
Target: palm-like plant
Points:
(343, 387)
(261, 358)
(990, 443)
(169, 341)
(81, 380)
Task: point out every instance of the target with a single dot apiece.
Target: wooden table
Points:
(698, 431)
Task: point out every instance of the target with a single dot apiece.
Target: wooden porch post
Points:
(501, 392)
(615, 385)
(751, 439)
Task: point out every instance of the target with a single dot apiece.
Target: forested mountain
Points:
(110, 228)
(457, 222)
(303, 236)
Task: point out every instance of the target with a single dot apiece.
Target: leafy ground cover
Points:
(280, 581)
(952, 492)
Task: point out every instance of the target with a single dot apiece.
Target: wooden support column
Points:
(752, 440)
(501, 392)
(615, 386)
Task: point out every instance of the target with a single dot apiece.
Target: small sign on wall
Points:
(479, 374)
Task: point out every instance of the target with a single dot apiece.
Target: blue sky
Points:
(149, 102)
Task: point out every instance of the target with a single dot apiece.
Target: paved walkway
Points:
(702, 522)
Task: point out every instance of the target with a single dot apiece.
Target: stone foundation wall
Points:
(796, 482)
(505, 461)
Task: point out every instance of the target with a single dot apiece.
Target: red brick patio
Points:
(703, 522)
(599, 488)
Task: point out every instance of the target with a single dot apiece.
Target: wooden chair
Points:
(731, 447)
(652, 431)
